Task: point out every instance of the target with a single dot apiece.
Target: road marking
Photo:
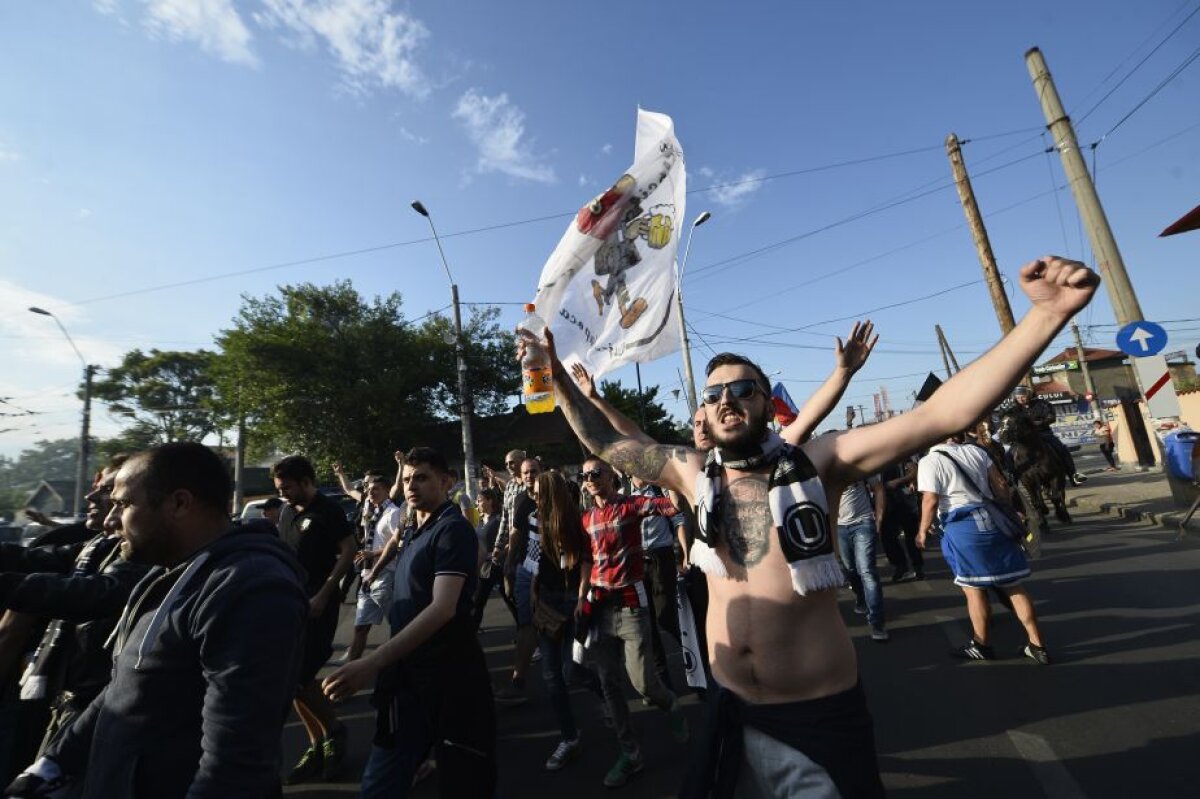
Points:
(1056, 781)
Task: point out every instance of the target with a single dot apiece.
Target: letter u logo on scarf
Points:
(805, 530)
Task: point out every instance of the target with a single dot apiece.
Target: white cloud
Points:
(109, 8)
(584, 180)
(734, 191)
(408, 135)
(215, 25)
(7, 153)
(46, 344)
(372, 44)
(497, 128)
(84, 213)
(606, 149)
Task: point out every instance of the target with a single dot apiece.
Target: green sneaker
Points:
(626, 766)
(678, 722)
(334, 749)
(311, 765)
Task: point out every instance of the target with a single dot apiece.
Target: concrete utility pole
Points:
(82, 480)
(1104, 244)
(983, 247)
(1087, 374)
(947, 354)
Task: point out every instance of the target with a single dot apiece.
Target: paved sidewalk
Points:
(1131, 494)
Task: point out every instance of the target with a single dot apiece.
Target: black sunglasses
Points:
(738, 389)
(593, 475)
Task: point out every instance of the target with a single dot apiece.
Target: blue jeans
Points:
(856, 545)
(558, 669)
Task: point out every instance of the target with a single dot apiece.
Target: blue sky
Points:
(152, 142)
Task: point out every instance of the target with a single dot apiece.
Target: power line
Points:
(859, 314)
(489, 228)
(708, 270)
(1139, 64)
(1174, 74)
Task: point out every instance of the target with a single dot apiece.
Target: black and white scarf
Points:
(799, 511)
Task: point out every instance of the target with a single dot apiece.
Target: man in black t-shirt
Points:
(432, 688)
(325, 547)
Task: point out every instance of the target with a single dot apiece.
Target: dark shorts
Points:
(318, 642)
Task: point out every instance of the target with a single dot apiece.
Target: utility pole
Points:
(1104, 244)
(1087, 374)
(947, 354)
(983, 247)
(637, 369)
(85, 444)
(465, 404)
(239, 466)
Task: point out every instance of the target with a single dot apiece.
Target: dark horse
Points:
(1036, 467)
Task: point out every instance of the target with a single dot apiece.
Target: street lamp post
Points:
(81, 476)
(690, 380)
(465, 403)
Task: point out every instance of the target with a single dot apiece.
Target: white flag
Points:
(608, 290)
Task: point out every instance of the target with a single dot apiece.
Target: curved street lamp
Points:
(685, 345)
(81, 477)
(465, 404)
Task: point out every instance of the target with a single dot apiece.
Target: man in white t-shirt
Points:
(375, 593)
(860, 515)
(954, 479)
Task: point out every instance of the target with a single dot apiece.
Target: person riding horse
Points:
(1041, 413)
(1038, 461)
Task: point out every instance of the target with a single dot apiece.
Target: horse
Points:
(1036, 467)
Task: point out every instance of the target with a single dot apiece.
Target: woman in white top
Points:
(951, 478)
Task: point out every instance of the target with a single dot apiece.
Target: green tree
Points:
(168, 395)
(322, 371)
(45, 460)
(658, 423)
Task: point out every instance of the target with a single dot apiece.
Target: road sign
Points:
(1155, 378)
(1141, 339)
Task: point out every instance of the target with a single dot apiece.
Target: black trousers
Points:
(483, 590)
(664, 613)
(901, 517)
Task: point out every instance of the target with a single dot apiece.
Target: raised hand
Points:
(337, 468)
(854, 353)
(586, 384)
(1058, 286)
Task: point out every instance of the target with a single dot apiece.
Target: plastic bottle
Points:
(535, 366)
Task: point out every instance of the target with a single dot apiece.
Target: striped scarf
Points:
(799, 511)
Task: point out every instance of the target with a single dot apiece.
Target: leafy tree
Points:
(167, 394)
(657, 423)
(322, 371)
(45, 460)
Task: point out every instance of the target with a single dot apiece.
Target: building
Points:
(1111, 373)
(53, 497)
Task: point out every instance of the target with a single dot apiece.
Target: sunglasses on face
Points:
(593, 475)
(738, 389)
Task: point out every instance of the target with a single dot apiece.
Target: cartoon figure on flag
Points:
(607, 291)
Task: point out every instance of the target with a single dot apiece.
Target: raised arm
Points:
(850, 357)
(348, 489)
(673, 467)
(1058, 288)
(618, 420)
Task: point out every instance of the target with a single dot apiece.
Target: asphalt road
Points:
(1116, 715)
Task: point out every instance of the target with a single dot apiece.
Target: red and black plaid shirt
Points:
(615, 532)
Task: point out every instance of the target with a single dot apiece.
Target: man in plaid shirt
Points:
(619, 626)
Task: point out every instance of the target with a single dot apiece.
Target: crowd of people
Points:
(178, 643)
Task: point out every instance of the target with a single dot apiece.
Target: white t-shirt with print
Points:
(390, 522)
(938, 476)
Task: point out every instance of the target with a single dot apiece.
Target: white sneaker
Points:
(565, 751)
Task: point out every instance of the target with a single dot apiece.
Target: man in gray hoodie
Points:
(206, 652)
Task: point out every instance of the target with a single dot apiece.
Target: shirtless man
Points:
(784, 660)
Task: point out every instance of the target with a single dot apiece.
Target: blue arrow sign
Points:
(1140, 339)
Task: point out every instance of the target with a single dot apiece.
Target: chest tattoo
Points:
(746, 520)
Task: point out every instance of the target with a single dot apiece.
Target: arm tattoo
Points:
(746, 518)
(624, 453)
